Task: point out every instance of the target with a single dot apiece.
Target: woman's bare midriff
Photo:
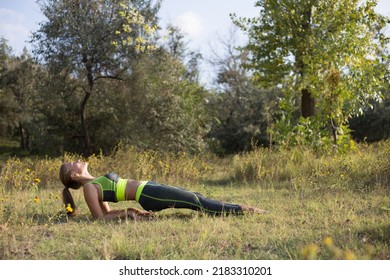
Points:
(131, 189)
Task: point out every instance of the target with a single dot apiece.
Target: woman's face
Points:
(77, 167)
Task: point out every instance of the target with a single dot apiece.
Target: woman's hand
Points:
(139, 215)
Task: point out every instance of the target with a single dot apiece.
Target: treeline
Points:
(100, 75)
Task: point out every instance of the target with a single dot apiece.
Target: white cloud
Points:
(190, 23)
(13, 28)
(7, 15)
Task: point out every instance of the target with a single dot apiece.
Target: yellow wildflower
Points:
(69, 208)
(328, 241)
(310, 252)
(349, 255)
(36, 199)
(37, 180)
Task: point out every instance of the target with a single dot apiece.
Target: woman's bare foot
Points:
(251, 209)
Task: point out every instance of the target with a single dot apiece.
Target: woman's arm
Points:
(101, 210)
(105, 207)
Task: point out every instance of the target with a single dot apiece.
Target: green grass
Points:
(321, 207)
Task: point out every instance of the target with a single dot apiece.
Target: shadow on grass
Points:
(62, 218)
(378, 234)
(57, 218)
(225, 182)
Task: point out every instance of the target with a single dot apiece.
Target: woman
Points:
(150, 195)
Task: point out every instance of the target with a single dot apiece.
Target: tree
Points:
(164, 97)
(374, 124)
(168, 107)
(5, 56)
(93, 40)
(5, 53)
(176, 44)
(56, 120)
(177, 47)
(18, 81)
(326, 52)
(241, 111)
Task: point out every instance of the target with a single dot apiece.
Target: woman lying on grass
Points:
(150, 195)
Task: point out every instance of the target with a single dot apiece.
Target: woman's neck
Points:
(85, 178)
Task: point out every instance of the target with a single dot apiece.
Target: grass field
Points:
(322, 206)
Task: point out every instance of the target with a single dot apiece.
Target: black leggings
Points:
(156, 197)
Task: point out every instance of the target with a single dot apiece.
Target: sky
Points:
(203, 21)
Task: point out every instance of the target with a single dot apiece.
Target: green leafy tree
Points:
(56, 118)
(93, 40)
(177, 47)
(5, 54)
(164, 98)
(374, 124)
(175, 42)
(18, 82)
(241, 111)
(324, 54)
(169, 107)
(167, 110)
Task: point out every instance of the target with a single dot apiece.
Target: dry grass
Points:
(321, 207)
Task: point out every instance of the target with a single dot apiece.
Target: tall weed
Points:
(18, 174)
(362, 169)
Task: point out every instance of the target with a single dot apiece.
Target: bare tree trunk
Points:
(83, 113)
(24, 138)
(84, 126)
(308, 104)
(333, 130)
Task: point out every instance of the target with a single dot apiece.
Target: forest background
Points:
(73, 91)
(307, 94)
